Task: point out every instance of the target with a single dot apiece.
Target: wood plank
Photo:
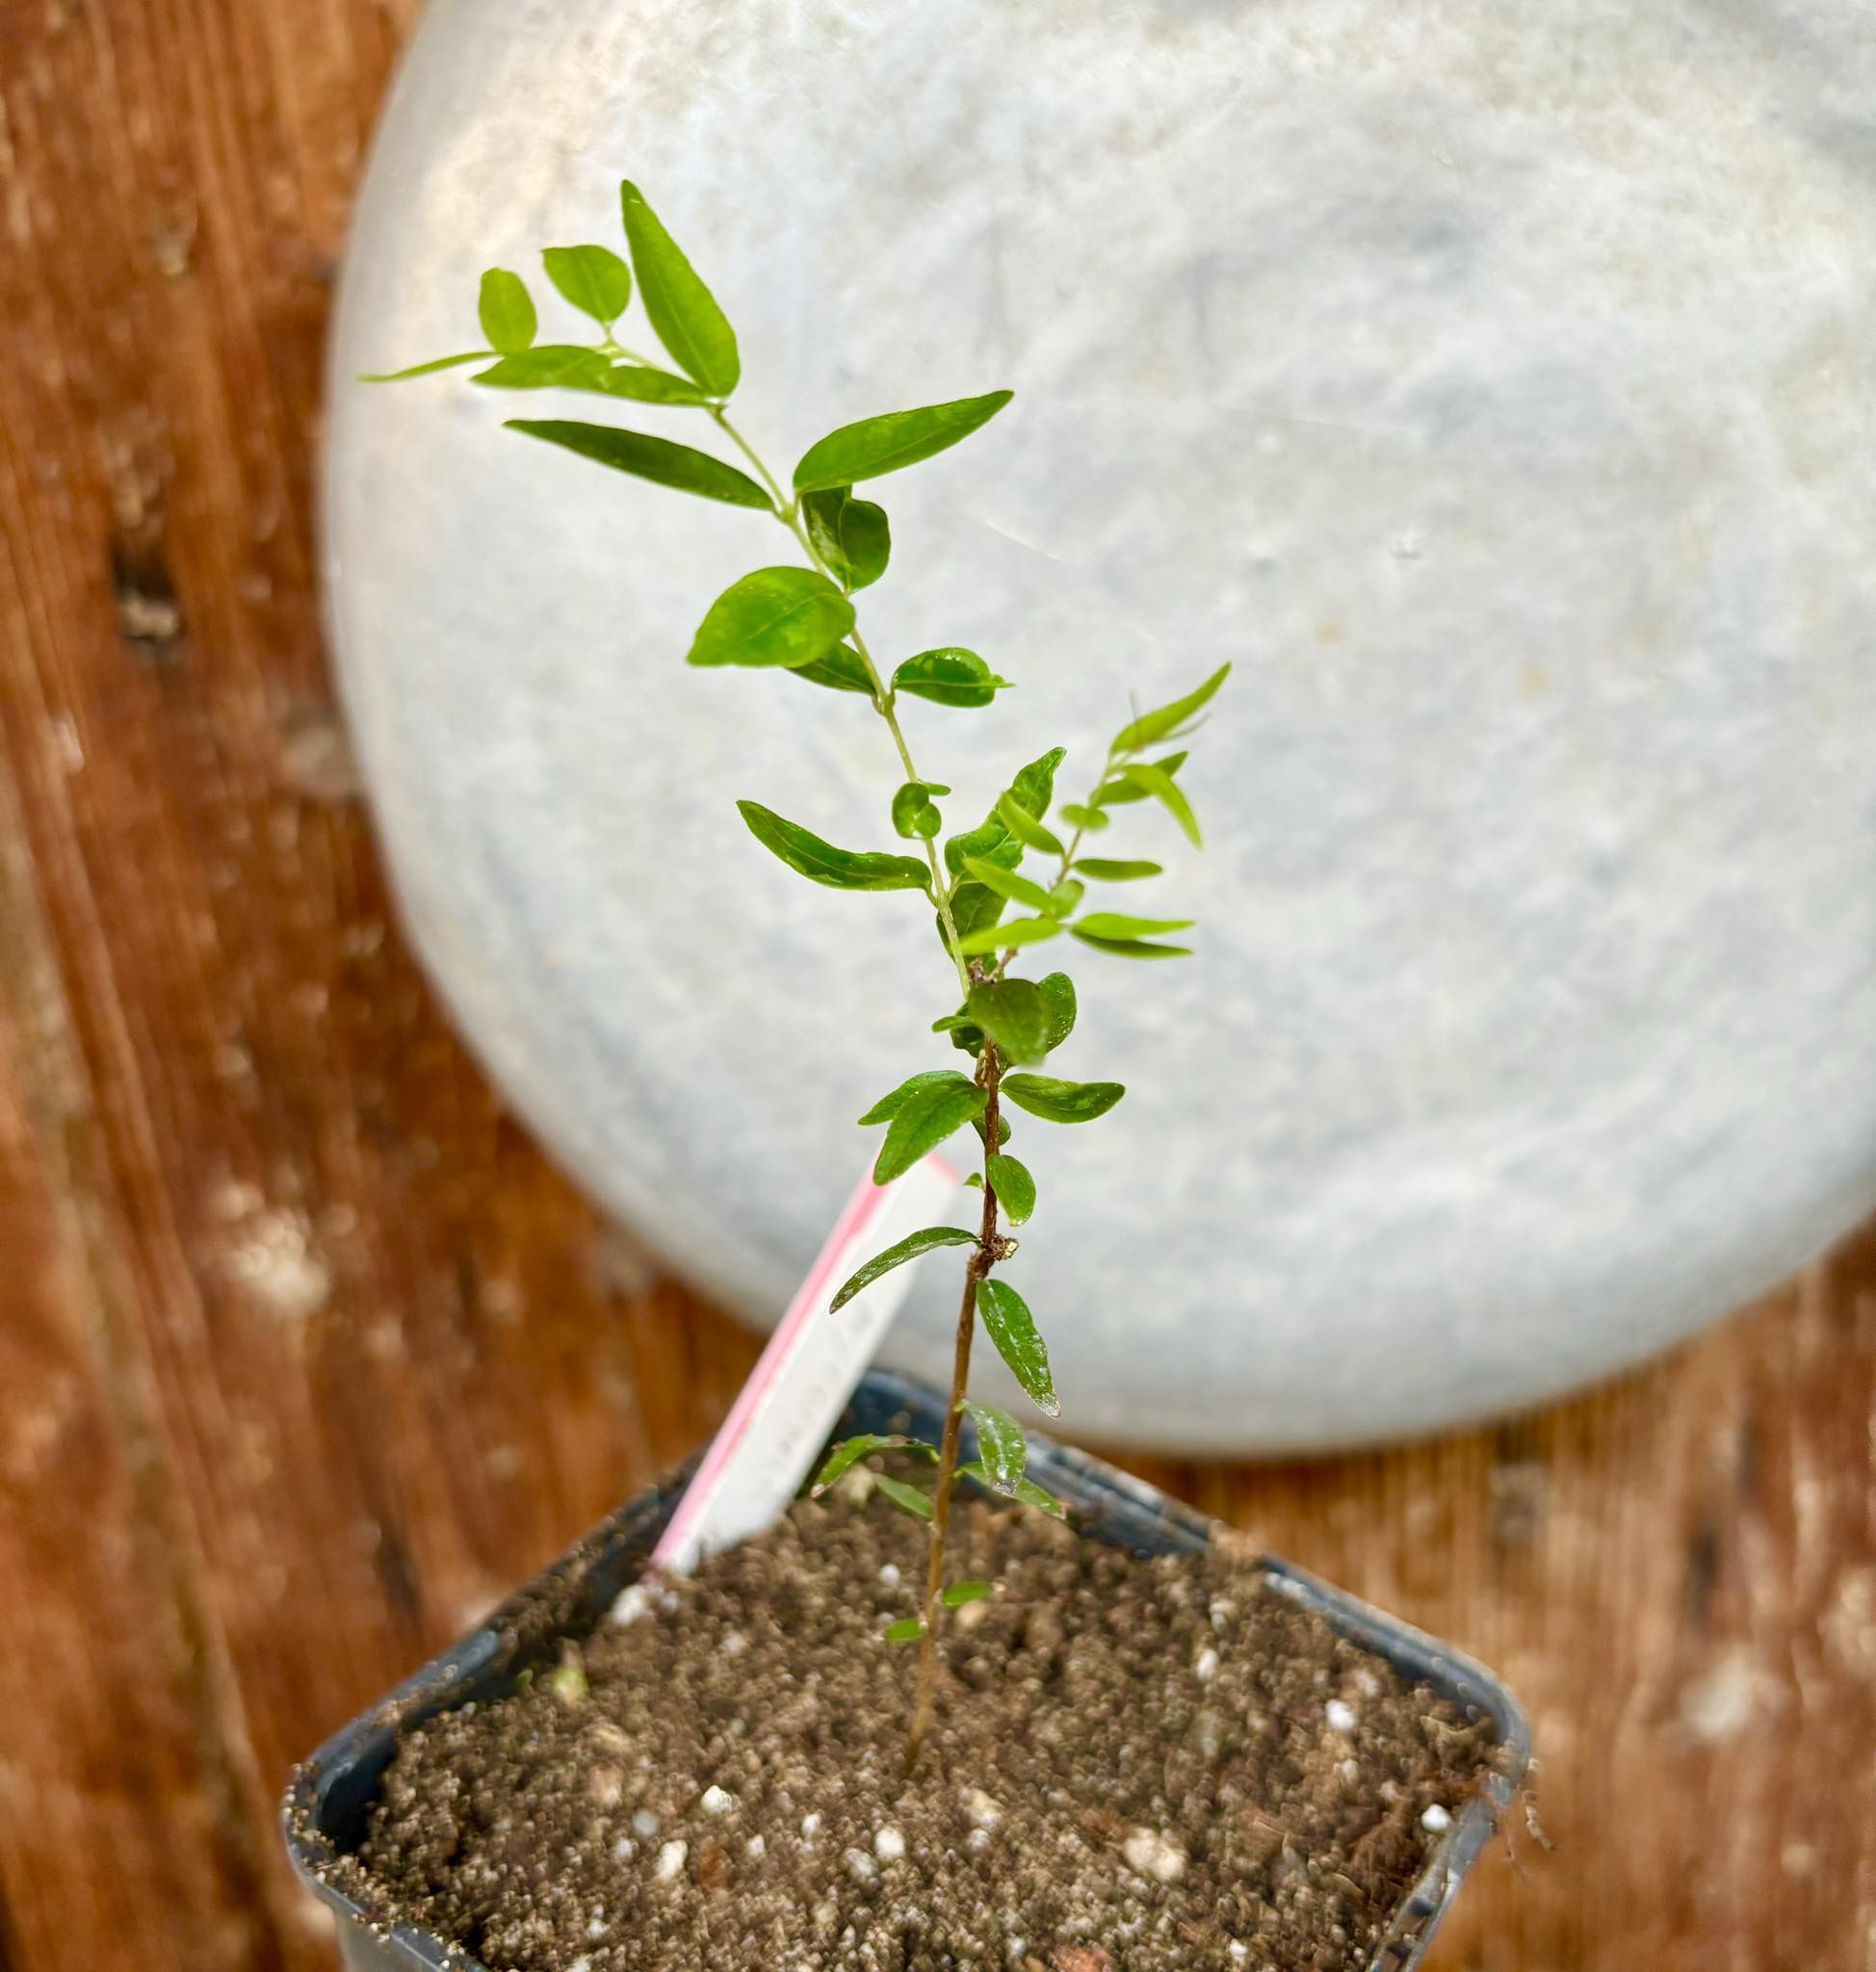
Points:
(309, 1354)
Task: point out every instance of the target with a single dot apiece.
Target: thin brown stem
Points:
(981, 1261)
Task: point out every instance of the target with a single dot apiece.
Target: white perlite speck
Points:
(670, 1859)
(756, 1847)
(1341, 1715)
(862, 1865)
(810, 1825)
(889, 1576)
(1154, 1854)
(888, 1844)
(717, 1800)
(1206, 1668)
(644, 1824)
(1436, 1819)
(984, 1811)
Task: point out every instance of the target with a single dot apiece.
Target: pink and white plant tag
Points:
(782, 1415)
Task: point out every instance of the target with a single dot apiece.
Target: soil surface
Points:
(1139, 1766)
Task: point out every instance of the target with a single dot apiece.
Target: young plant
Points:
(800, 617)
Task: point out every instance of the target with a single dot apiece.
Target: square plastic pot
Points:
(331, 1794)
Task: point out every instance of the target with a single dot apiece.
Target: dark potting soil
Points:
(1139, 1766)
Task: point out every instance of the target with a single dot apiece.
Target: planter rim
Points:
(329, 1793)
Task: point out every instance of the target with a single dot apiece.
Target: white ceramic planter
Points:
(1494, 385)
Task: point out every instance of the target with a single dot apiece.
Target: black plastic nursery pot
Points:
(330, 1797)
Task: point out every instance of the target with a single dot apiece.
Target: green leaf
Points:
(645, 458)
(1010, 1326)
(1090, 819)
(644, 383)
(961, 1593)
(593, 278)
(546, 366)
(1164, 789)
(840, 670)
(821, 863)
(1014, 1014)
(1025, 827)
(1117, 793)
(1019, 931)
(908, 1248)
(950, 677)
(889, 1105)
(848, 1453)
(850, 535)
(873, 446)
(908, 1499)
(1027, 1491)
(914, 815)
(1003, 1130)
(1116, 925)
(922, 1122)
(1018, 889)
(785, 615)
(429, 369)
(507, 315)
(1131, 947)
(908, 1629)
(1013, 1185)
(973, 1181)
(1065, 896)
(1059, 1102)
(1058, 990)
(1105, 870)
(1003, 1451)
(683, 311)
(975, 907)
(990, 840)
(1161, 724)
(1035, 788)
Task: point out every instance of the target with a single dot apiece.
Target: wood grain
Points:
(307, 1353)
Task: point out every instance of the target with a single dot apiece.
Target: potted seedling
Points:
(973, 1701)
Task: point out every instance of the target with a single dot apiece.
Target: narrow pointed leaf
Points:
(1119, 792)
(908, 1499)
(922, 1122)
(840, 669)
(889, 1105)
(853, 536)
(1059, 990)
(785, 615)
(848, 1453)
(908, 1629)
(645, 458)
(1003, 1451)
(1167, 790)
(961, 1593)
(873, 446)
(593, 278)
(821, 863)
(546, 366)
(1025, 827)
(1131, 947)
(1109, 869)
(1010, 1326)
(1014, 1014)
(429, 369)
(1117, 924)
(1018, 931)
(1059, 1102)
(1013, 1185)
(1018, 889)
(909, 1248)
(506, 312)
(1027, 1491)
(644, 383)
(682, 310)
(951, 677)
(1168, 719)
(1035, 788)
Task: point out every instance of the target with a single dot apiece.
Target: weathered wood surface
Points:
(306, 1353)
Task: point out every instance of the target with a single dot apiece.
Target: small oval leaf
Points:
(908, 1249)
(1058, 990)
(873, 445)
(1010, 1326)
(950, 676)
(1117, 924)
(922, 1122)
(1092, 820)
(888, 1107)
(1060, 1101)
(1107, 870)
(853, 536)
(908, 1629)
(784, 615)
(839, 670)
(1027, 1491)
(915, 817)
(1014, 1014)
(507, 311)
(1013, 1185)
(821, 863)
(907, 1498)
(961, 1593)
(1003, 1451)
(593, 278)
(848, 1453)
(1018, 931)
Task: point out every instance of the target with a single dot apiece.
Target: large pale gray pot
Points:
(1493, 384)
